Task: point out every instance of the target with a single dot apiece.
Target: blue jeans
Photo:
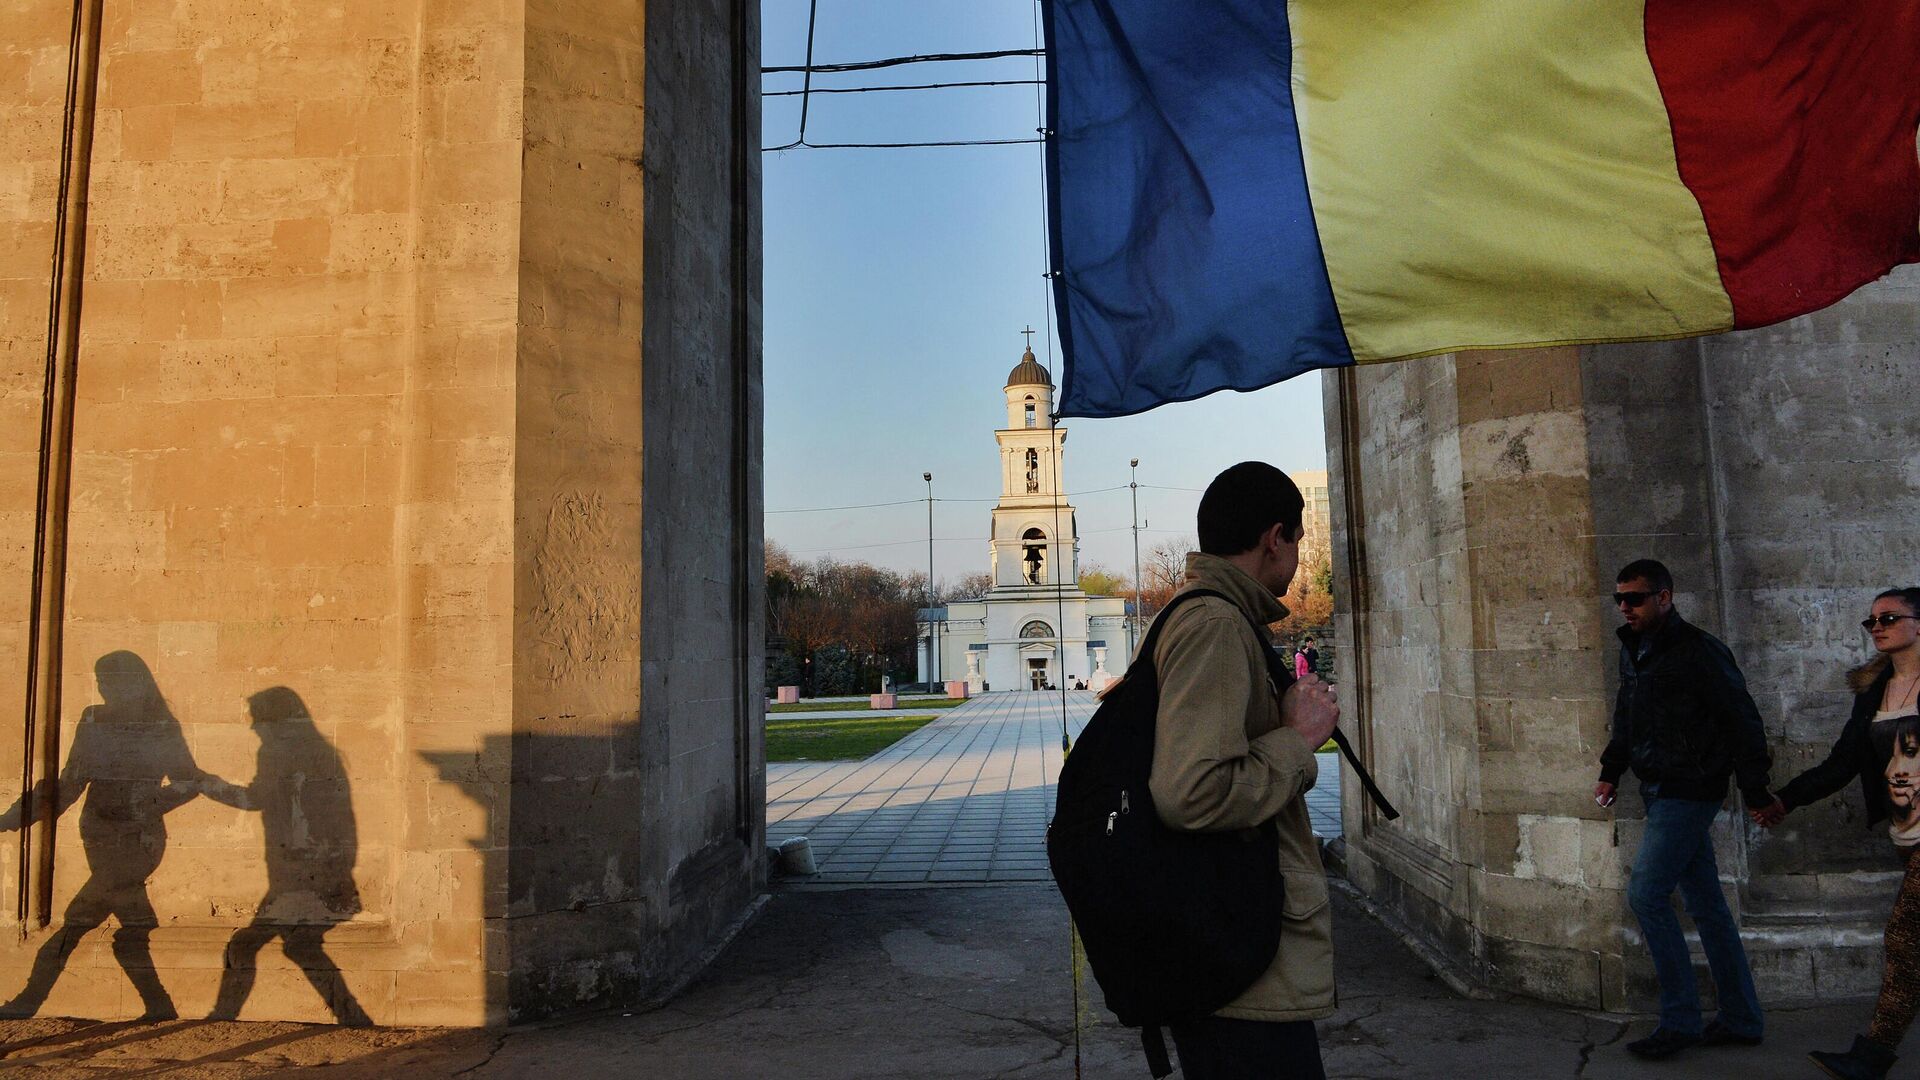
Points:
(1677, 851)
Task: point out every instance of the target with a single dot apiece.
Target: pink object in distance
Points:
(883, 701)
(787, 695)
(957, 688)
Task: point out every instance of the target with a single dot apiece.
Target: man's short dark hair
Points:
(1652, 571)
(1245, 501)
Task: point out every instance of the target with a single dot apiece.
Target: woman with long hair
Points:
(1880, 746)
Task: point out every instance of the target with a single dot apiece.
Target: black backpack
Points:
(1175, 924)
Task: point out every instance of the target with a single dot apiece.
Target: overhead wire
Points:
(917, 502)
(897, 61)
(884, 89)
(890, 543)
(803, 145)
(806, 91)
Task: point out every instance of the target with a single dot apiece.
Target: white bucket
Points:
(796, 857)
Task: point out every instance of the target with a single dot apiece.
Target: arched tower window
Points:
(1034, 544)
(1033, 470)
(1032, 419)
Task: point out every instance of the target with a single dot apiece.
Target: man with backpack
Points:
(1233, 751)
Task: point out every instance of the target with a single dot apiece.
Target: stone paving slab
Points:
(854, 714)
(932, 984)
(966, 798)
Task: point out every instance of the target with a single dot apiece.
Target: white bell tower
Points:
(1035, 540)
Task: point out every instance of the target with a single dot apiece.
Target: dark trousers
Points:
(1218, 1048)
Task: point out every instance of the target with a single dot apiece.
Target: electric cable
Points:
(890, 543)
(806, 93)
(916, 502)
(884, 89)
(806, 82)
(798, 144)
(897, 61)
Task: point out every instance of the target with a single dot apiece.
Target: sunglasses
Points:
(1631, 599)
(1885, 618)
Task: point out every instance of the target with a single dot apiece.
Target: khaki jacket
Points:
(1222, 761)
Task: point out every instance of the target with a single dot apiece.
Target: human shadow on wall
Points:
(301, 792)
(130, 760)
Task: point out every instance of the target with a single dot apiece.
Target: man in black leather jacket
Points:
(1686, 724)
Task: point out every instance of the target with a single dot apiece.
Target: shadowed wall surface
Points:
(388, 319)
(1482, 505)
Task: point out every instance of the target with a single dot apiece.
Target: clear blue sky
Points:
(897, 282)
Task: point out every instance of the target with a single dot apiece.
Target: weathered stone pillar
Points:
(417, 387)
(1482, 504)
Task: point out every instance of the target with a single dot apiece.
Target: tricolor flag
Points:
(1244, 190)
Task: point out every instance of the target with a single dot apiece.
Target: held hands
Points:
(1309, 708)
(1603, 793)
(1770, 815)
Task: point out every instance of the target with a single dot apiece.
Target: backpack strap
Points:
(1145, 653)
(1155, 1046)
(1366, 778)
(1284, 678)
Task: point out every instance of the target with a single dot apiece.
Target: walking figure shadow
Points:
(300, 790)
(130, 759)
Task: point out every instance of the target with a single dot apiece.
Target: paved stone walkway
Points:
(932, 984)
(965, 799)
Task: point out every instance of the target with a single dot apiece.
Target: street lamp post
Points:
(933, 641)
(1133, 484)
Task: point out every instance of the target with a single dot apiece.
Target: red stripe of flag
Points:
(1794, 125)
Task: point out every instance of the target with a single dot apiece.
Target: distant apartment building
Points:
(1313, 487)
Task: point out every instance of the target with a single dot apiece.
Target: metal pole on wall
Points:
(933, 641)
(1133, 483)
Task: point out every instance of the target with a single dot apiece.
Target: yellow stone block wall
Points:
(352, 638)
(293, 456)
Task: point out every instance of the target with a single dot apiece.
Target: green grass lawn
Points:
(814, 705)
(837, 740)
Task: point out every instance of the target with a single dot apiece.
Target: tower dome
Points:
(1028, 372)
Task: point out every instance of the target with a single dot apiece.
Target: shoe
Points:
(1719, 1034)
(1868, 1060)
(1662, 1044)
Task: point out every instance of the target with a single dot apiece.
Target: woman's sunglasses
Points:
(1885, 618)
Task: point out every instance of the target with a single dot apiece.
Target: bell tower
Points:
(1035, 539)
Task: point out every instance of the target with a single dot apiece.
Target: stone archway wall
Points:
(1482, 503)
(417, 374)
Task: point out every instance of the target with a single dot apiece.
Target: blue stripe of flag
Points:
(1183, 238)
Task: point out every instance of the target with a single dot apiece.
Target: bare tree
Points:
(1162, 569)
(970, 587)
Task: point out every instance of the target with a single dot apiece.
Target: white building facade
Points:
(1035, 628)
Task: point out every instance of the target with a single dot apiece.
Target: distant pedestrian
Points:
(1300, 665)
(1313, 656)
(1686, 724)
(1878, 748)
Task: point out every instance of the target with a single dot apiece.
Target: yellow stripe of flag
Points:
(1496, 173)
